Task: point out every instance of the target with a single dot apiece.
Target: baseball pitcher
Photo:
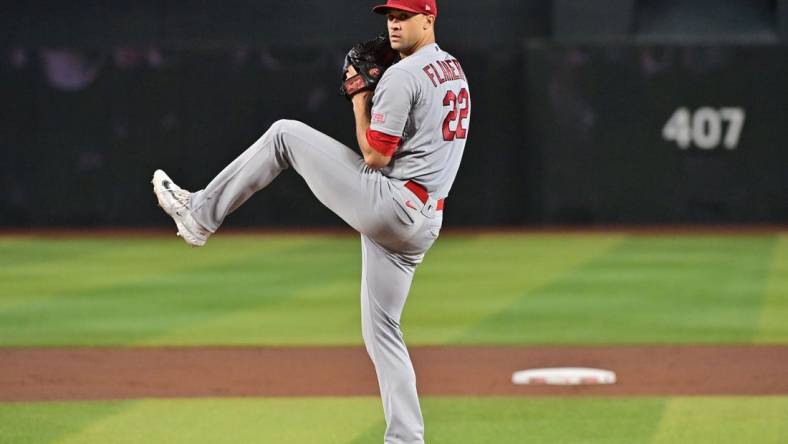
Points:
(412, 109)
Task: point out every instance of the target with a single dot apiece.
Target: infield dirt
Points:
(44, 374)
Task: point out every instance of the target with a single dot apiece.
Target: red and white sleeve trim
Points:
(383, 143)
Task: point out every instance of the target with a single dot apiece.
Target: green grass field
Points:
(485, 289)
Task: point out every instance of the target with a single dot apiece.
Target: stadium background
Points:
(570, 102)
(627, 120)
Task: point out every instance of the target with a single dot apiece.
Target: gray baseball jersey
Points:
(424, 100)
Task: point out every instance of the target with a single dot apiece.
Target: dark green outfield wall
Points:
(643, 133)
(94, 99)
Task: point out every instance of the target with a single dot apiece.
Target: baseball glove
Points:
(370, 59)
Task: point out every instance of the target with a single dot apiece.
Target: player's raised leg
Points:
(385, 281)
(337, 176)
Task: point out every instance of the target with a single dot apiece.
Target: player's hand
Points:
(365, 64)
(361, 97)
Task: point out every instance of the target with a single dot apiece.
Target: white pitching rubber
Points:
(563, 376)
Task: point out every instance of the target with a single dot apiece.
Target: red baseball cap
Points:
(416, 6)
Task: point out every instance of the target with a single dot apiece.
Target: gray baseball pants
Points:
(394, 239)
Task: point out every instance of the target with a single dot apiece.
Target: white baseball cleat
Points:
(174, 200)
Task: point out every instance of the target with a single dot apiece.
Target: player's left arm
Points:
(381, 124)
(374, 156)
(362, 107)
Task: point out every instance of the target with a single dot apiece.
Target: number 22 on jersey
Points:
(459, 108)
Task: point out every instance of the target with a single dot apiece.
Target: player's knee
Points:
(285, 126)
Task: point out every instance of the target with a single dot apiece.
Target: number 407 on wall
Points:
(706, 128)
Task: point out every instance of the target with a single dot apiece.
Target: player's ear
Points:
(429, 21)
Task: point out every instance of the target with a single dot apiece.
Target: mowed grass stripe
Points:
(128, 313)
(322, 309)
(95, 264)
(314, 300)
(45, 423)
(534, 420)
(331, 420)
(23, 251)
(644, 290)
(42, 268)
(516, 420)
(759, 420)
(541, 420)
(279, 420)
(462, 281)
(322, 315)
(773, 326)
(501, 289)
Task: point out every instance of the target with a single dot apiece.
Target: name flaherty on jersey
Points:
(431, 123)
(450, 69)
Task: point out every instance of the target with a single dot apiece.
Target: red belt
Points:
(422, 194)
